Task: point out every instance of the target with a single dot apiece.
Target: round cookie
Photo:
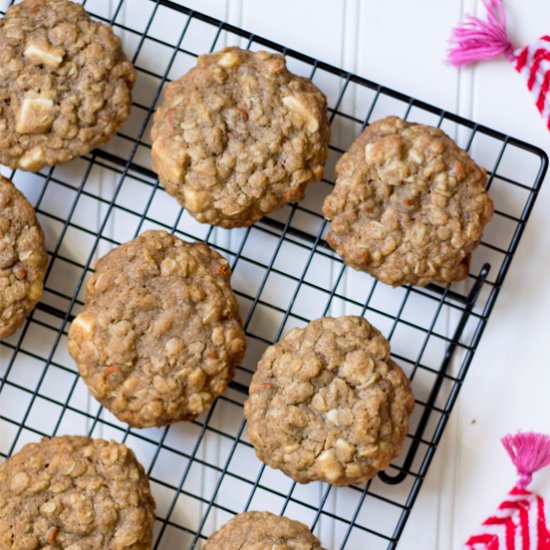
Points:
(262, 531)
(409, 206)
(75, 492)
(23, 258)
(65, 86)
(327, 403)
(160, 335)
(239, 136)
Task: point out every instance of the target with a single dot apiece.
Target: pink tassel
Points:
(476, 39)
(529, 452)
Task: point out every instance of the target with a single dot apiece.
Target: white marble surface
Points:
(401, 44)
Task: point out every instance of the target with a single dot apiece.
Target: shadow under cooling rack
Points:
(203, 472)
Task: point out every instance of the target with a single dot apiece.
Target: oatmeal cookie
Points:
(75, 492)
(239, 136)
(409, 205)
(327, 403)
(262, 531)
(160, 335)
(65, 85)
(23, 258)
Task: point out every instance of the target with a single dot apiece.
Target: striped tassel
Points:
(520, 522)
(477, 40)
(533, 63)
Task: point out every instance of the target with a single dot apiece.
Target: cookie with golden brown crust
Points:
(409, 206)
(23, 258)
(239, 136)
(328, 403)
(160, 335)
(262, 531)
(75, 492)
(65, 86)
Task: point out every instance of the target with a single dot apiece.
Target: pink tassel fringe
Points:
(529, 452)
(475, 39)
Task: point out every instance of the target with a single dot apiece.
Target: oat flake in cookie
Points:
(327, 403)
(239, 136)
(75, 492)
(262, 531)
(409, 205)
(160, 335)
(64, 84)
(23, 258)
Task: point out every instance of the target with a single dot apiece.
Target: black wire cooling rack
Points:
(204, 472)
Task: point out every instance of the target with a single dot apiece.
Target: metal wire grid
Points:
(204, 472)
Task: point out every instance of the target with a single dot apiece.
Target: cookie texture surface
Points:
(239, 136)
(262, 531)
(409, 205)
(327, 403)
(160, 335)
(75, 492)
(65, 85)
(23, 258)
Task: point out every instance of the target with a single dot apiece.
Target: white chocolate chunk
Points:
(313, 125)
(35, 116)
(83, 324)
(416, 156)
(172, 169)
(42, 51)
(332, 416)
(194, 199)
(19, 482)
(229, 59)
(48, 507)
(299, 106)
(369, 152)
(329, 467)
(294, 104)
(32, 159)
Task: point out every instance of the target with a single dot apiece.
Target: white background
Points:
(401, 43)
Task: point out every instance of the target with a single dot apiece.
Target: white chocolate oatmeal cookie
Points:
(239, 136)
(76, 493)
(64, 87)
(262, 531)
(160, 335)
(409, 206)
(328, 403)
(23, 258)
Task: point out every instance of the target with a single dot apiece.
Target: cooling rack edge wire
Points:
(203, 472)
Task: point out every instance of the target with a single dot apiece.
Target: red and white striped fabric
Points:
(477, 40)
(533, 63)
(521, 520)
(519, 523)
